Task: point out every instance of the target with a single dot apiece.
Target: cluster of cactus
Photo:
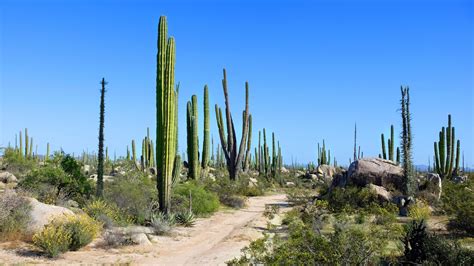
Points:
(324, 157)
(266, 164)
(147, 158)
(166, 117)
(198, 163)
(391, 148)
(234, 156)
(406, 143)
(446, 161)
(27, 150)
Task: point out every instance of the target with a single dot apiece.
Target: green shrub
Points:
(107, 214)
(304, 246)
(69, 232)
(203, 202)
(457, 201)
(50, 184)
(14, 216)
(350, 199)
(17, 164)
(133, 196)
(424, 248)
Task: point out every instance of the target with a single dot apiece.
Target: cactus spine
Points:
(233, 155)
(444, 152)
(166, 126)
(192, 132)
(100, 166)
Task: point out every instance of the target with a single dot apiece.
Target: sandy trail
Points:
(212, 241)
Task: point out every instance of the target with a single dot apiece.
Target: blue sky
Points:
(314, 67)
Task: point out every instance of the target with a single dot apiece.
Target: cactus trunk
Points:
(166, 126)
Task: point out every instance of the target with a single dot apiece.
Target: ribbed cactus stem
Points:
(398, 155)
(249, 145)
(391, 144)
(384, 152)
(436, 159)
(207, 131)
(47, 152)
(442, 146)
(274, 155)
(21, 144)
(192, 131)
(166, 126)
(458, 156)
(134, 152)
(176, 169)
(27, 142)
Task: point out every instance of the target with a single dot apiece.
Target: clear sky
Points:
(314, 67)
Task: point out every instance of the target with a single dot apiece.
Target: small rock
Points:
(153, 239)
(459, 179)
(253, 182)
(152, 170)
(87, 169)
(284, 170)
(140, 239)
(290, 184)
(382, 194)
(7, 177)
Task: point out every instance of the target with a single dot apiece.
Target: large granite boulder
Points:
(375, 171)
(42, 214)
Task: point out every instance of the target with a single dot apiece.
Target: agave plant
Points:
(163, 223)
(186, 219)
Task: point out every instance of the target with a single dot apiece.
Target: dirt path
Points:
(212, 241)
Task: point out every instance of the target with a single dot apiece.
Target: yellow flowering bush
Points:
(420, 211)
(53, 240)
(68, 232)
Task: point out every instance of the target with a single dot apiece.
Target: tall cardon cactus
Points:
(233, 154)
(166, 109)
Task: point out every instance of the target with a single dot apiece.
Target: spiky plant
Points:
(100, 166)
(166, 126)
(233, 155)
(408, 170)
